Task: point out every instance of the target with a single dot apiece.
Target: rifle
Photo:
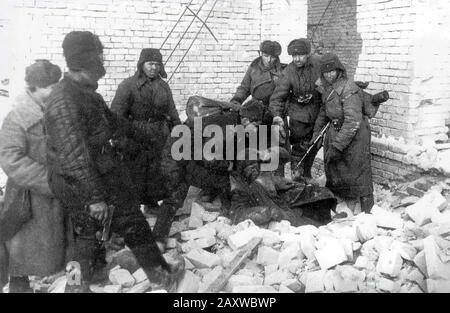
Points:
(321, 134)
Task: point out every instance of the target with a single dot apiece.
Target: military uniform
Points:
(296, 96)
(149, 104)
(347, 141)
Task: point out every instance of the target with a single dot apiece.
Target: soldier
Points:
(86, 174)
(296, 96)
(260, 79)
(347, 142)
(264, 197)
(146, 100)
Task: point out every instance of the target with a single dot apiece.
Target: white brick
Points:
(203, 259)
(390, 263)
(121, 277)
(267, 256)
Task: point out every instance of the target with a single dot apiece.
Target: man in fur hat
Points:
(146, 100)
(85, 172)
(295, 96)
(260, 79)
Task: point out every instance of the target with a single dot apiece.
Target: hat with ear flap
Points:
(151, 55)
(330, 62)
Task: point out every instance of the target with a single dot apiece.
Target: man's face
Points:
(151, 69)
(300, 60)
(330, 76)
(267, 59)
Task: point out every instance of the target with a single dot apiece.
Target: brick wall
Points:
(211, 69)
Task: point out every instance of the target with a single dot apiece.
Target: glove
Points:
(333, 155)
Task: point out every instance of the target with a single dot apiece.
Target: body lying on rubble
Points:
(264, 197)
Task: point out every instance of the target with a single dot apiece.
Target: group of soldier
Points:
(102, 163)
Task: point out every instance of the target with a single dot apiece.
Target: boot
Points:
(161, 274)
(367, 203)
(164, 221)
(19, 284)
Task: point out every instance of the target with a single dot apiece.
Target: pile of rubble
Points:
(401, 248)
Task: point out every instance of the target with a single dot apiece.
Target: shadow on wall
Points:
(332, 27)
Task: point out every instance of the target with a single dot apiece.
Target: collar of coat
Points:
(28, 109)
(142, 79)
(81, 80)
(259, 63)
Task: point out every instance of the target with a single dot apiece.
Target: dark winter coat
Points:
(150, 106)
(39, 248)
(350, 176)
(294, 83)
(259, 82)
(83, 167)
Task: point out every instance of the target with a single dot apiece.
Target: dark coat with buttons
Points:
(149, 105)
(350, 176)
(258, 82)
(294, 83)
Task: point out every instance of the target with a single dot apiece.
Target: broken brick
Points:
(121, 277)
(189, 283)
(139, 276)
(203, 259)
(210, 278)
(254, 289)
(365, 227)
(387, 219)
(202, 232)
(407, 251)
(275, 278)
(112, 289)
(284, 289)
(294, 285)
(390, 263)
(388, 285)
(436, 269)
(330, 255)
(287, 254)
(267, 256)
(196, 220)
(314, 282)
(239, 280)
(209, 217)
(438, 286)
(308, 245)
(421, 263)
(430, 204)
(242, 238)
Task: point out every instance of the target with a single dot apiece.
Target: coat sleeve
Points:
(172, 109)
(244, 89)
(321, 121)
(122, 100)
(280, 95)
(68, 138)
(14, 160)
(352, 107)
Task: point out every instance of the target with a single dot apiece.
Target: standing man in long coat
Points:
(146, 100)
(296, 96)
(347, 142)
(85, 171)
